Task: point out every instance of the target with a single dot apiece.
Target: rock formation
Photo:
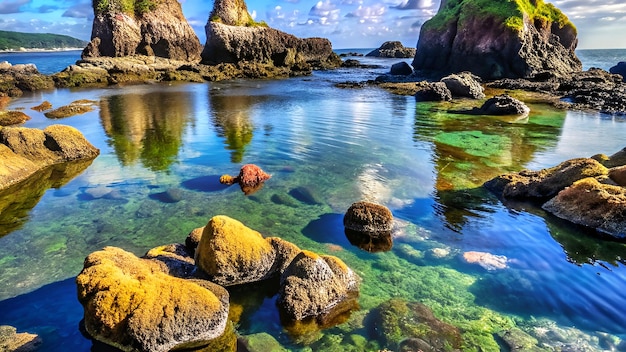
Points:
(22, 77)
(132, 304)
(497, 39)
(392, 49)
(11, 340)
(142, 27)
(233, 36)
(619, 69)
(25, 151)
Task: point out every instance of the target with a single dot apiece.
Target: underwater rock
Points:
(306, 195)
(591, 203)
(26, 150)
(132, 304)
(486, 260)
(464, 84)
(259, 342)
(312, 285)
(8, 118)
(401, 323)
(517, 340)
(545, 183)
(11, 340)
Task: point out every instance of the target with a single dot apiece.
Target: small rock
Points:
(486, 260)
(504, 105)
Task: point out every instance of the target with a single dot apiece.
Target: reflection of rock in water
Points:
(231, 117)
(146, 127)
(17, 201)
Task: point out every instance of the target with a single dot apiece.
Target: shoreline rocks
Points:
(392, 49)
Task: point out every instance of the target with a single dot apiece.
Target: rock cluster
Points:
(497, 40)
(25, 151)
(173, 296)
(392, 49)
(585, 191)
(16, 79)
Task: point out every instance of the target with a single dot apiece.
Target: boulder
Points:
(13, 117)
(250, 178)
(497, 41)
(593, 204)
(16, 79)
(411, 326)
(401, 69)
(619, 69)
(465, 85)
(504, 105)
(27, 150)
(618, 175)
(435, 91)
(546, 183)
(142, 27)
(312, 285)
(231, 253)
(132, 304)
(392, 49)
(11, 340)
(233, 36)
(368, 226)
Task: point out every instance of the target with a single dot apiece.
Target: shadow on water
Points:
(209, 183)
(53, 312)
(327, 228)
(16, 202)
(146, 127)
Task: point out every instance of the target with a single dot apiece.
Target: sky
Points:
(347, 23)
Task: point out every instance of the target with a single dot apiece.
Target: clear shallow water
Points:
(341, 146)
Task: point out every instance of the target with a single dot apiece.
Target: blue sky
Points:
(347, 23)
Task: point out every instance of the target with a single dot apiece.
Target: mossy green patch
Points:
(475, 143)
(131, 7)
(510, 12)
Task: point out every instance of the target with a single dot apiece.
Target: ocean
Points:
(326, 148)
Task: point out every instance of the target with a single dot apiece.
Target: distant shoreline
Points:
(38, 50)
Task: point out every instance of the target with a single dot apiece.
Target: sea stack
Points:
(498, 39)
(142, 27)
(233, 36)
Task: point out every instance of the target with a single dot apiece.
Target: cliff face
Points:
(497, 39)
(233, 36)
(142, 27)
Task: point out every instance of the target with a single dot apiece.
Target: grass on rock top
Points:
(510, 12)
(131, 7)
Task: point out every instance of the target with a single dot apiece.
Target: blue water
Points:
(341, 145)
(46, 62)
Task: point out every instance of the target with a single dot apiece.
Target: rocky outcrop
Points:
(130, 303)
(392, 49)
(25, 151)
(231, 253)
(497, 41)
(464, 85)
(619, 69)
(234, 37)
(17, 79)
(13, 117)
(313, 285)
(142, 27)
(593, 204)
(11, 340)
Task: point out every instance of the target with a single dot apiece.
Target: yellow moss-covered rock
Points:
(131, 304)
(231, 253)
(13, 117)
(312, 285)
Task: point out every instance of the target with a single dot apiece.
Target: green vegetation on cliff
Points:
(131, 7)
(17, 40)
(510, 12)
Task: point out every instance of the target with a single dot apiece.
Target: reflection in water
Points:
(469, 150)
(147, 127)
(231, 117)
(17, 201)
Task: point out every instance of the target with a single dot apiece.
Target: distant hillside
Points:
(17, 40)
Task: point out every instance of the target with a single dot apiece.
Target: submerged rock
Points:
(392, 49)
(497, 41)
(312, 285)
(486, 260)
(132, 304)
(591, 203)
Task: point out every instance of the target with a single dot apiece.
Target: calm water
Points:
(340, 146)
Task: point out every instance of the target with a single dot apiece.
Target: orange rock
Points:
(251, 175)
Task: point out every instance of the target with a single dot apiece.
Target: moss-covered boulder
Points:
(368, 226)
(312, 285)
(13, 117)
(231, 253)
(132, 304)
(26, 150)
(591, 203)
(546, 183)
(497, 39)
(412, 326)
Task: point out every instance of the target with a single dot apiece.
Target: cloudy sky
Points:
(347, 23)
